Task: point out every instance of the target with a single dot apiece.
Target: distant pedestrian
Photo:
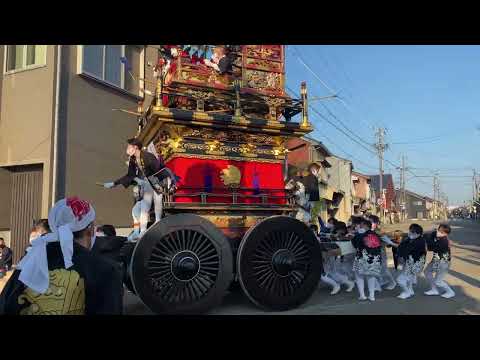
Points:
(437, 269)
(6, 257)
(106, 230)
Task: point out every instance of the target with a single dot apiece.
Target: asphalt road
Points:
(464, 277)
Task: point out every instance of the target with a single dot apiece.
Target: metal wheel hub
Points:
(185, 266)
(283, 262)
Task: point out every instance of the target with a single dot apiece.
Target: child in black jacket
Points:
(367, 264)
(436, 271)
(413, 252)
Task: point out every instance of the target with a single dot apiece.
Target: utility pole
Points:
(434, 197)
(474, 185)
(403, 195)
(380, 146)
(475, 191)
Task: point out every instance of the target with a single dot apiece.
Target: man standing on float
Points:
(142, 165)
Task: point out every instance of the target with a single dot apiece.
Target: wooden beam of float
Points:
(222, 122)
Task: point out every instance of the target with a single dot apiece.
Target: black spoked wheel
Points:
(279, 263)
(183, 264)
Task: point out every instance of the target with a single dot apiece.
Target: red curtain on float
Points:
(198, 175)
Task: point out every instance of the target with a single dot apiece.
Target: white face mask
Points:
(413, 236)
(99, 233)
(361, 230)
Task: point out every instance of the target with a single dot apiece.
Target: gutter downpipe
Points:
(56, 127)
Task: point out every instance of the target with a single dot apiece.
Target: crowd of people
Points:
(368, 264)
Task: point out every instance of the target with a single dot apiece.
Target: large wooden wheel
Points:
(279, 263)
(182, 265)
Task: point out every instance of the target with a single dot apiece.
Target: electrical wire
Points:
(300, 59)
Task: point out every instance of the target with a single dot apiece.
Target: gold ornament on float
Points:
(231, 176)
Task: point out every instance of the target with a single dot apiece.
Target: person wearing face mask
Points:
(143, 165)
(413, 252)
(437, 269)
(331, 225)
(386, 277)
(367, 264)
(40, 227)
(59, 275)
(6, 256)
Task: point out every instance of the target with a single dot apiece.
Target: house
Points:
(58, 133)
(388, 190)
(306, 151)
(416, 206)
(363, 198)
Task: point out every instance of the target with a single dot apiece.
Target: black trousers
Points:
(395, 257)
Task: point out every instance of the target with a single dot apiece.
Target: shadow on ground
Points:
(322, 303)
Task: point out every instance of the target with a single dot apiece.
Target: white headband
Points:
(66, 217)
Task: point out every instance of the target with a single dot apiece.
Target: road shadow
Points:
(466, 278)
(470, 261)
(322, 303)
(466, 248)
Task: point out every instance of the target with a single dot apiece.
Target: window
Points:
(104, 63)
(418, 203)
(22, 57)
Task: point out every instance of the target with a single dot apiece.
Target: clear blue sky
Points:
(426, 96)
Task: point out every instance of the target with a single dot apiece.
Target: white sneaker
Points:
(371, 298)
(405, 295)
(362, 298)
(335, 290)
(448, 294)
(391, 286)
(350, 287)
(432, 292)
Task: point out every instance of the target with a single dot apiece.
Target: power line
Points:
(338, 63)
(312, 72)
(326, 119)
(333, 124)
(300, 59)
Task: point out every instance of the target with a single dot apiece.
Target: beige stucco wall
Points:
(96, 141)
(26, 118)
(5, 198)
(341, 179)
